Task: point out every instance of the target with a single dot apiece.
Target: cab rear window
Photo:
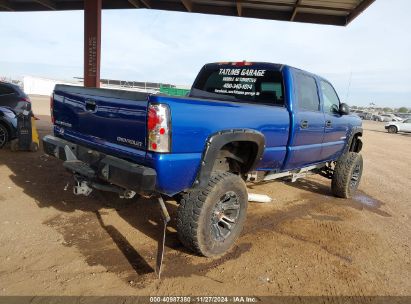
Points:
(245, 84)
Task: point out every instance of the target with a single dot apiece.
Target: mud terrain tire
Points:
(210, 219)
(347, 175)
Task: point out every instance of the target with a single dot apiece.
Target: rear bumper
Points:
(108, 168)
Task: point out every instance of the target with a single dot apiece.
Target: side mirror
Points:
(344, 109)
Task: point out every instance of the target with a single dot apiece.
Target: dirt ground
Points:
(306, 242)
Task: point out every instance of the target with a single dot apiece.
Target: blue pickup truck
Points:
(241, 122)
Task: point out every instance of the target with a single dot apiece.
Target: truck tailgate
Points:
(110, 116)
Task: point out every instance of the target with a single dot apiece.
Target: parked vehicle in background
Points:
(363, 114)
(241, 121)
(403, 126)
(368, 116)
(403, 115)
(8, 125)
(390, 117)
(377, 117)
(358, 113)
(13, 97)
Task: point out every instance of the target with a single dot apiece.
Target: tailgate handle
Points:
(91, 105)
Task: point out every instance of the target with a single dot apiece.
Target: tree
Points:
(403, 110)
(387, 109)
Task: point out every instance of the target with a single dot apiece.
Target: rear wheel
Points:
(210, 220)
(4, 136)
(392, 129)
(347, 175)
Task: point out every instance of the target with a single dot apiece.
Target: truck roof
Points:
(273, 66)
(258, 64)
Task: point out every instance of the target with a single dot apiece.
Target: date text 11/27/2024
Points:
(203, 299)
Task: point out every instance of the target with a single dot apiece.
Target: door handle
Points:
(328, 124)
(304, 124)
(90, 105)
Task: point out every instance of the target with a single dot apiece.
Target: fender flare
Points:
(351, 137)
(218, 140)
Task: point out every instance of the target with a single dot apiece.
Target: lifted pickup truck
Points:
(240, 122)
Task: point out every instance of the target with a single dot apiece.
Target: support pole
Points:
(92, 43)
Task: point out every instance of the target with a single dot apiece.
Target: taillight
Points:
(159, 128)
(27, 100)
(242, 63)
(51, 108)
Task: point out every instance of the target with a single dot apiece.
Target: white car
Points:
(394, 126)
(377, 117)
(390, 117)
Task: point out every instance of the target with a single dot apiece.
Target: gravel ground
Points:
(306, 242)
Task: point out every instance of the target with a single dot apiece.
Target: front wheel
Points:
(211, 219)
(392, 129)
(347, 175)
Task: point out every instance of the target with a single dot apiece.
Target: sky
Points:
(368, 61)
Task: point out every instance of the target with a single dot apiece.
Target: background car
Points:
(377, 117)
(394, 127)
(403, 115)
(361, 114)
(390, 117)
(8, 125)
(13, 97)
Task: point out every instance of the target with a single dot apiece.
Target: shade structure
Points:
(333, 12)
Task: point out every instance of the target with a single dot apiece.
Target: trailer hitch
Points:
(161, 241)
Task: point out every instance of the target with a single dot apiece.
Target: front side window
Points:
(330, 98)
(307, 93)
(407, 121)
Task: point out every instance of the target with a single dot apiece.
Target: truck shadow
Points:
(102, 226)
(44, 180)
(84, 222)
(135, 259)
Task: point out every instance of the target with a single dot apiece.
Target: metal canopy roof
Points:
(334, 12)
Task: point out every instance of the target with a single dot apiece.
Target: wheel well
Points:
(356, 143)
(236, 157)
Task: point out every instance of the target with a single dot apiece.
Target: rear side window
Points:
(5, 90)
(307, 92)
(247, 84)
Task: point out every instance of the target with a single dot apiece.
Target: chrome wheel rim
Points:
(225, 216)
